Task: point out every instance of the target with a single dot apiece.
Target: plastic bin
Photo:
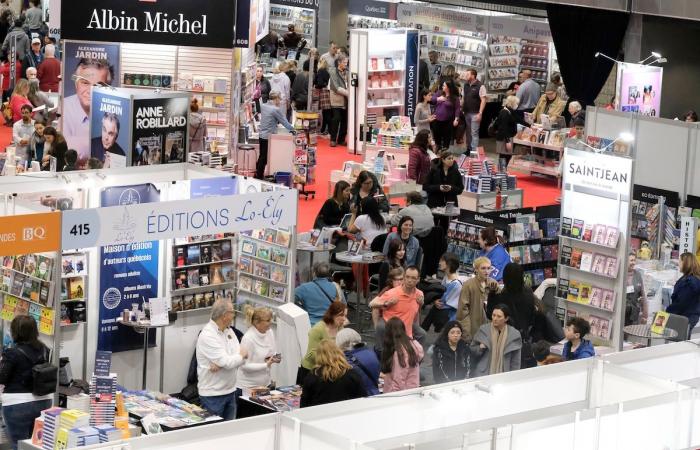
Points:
(284, 178)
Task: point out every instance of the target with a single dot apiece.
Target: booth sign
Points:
(30, 233)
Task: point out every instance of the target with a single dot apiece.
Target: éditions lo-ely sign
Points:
(168, 22)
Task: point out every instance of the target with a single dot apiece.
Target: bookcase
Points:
(654, 219)
(305, 143)
(264, 267)
(74, 288)
(304, 21)
(594, 238)
(504, 58)
(537, 150)
(203, 270)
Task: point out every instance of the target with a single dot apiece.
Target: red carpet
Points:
(538, 191)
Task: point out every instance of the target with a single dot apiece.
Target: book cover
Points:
(608, 300)
(6, 285)
(209, 299)
(17, 284)
(598, 263)
(270, 235)
(278, 293)
(204, 279)
(215, 274)
(226, 250)
(19, 263)
(283, 238)
(279, 255)
(517, 232)
(612, 235)
(515, 255)
(577, 229)
(249, 248)
(245, 283)
(587, 233)
(27, 288)
(574, 291)
(596, 297)
(216, 252)
(313, 238)
(205, 253)
(555, 251)
(228, 273)
(180, 279)
(565, 255)
(30, 264)
(604, 328)
(261, 288)
(245, 265)
(177, 303)
(199, 301)
(193, 254)
(611, 267)
(566, 226)
(538, 277)
(9, 261)
(193, 277)
(658, 325)
(536, 253)
(261, 269)
(586, 261)
(278, 274)
(584, 293)
(576, 255)
(263, 252)
(179, 256)
(599, 234)
(188, 302)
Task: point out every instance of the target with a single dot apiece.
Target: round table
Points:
(312, 249)
(441, 212)
(357, 259)
(644, 331)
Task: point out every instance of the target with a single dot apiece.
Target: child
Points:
(577, 347)
(401, 358)
(541, 352)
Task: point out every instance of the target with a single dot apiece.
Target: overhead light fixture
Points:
(656, 55)
(599, 54)
(660, 61)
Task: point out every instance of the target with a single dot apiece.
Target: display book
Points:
(264, 265)
(543, 149)
(463, 241)
(74, 287)
(464, 49)
(396, 132)
(534, 245)
(656, 223)
(305, 145)
(481, 175)
(27, 288)
(283, 398)
(587, 247)
(385, 83)
(203, 270)
(212, 94)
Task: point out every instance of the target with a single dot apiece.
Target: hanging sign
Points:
(526, 29)
(372, 8)
(252, 22)
(29, 233)
(109, 127)
(603, 172)
(308, 4)
(411, 74)
(428, 18)
(169, 22)
(689, 230)
(639, 89)
(159, 130)
(132, 223)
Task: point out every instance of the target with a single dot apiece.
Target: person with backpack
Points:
(363, 359)
(20, 402)
(505, 127)
(316, 296)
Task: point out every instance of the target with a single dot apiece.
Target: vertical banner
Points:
(262, 27)
(109, 127)
(639, 89)
(159, 130)
(411, 81)
(85, 65)
(128, 273)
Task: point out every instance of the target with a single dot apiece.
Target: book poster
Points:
(128, 274)
(85, 65)
(640, 89)
(159, 131)
(109, 128)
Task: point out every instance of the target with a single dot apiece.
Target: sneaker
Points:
(333, 144)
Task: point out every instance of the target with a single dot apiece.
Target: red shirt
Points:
(48, 73)
(5, 72)
(16, 103)
(405, 309)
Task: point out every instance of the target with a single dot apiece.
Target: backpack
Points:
(44, 374)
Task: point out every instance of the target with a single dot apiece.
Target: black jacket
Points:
(436, 178)
(450, 365)
(315, 391)
(522, 309)
(331, 214)
(300, 91)
(322, 78)
(16, 369)
(507, 125)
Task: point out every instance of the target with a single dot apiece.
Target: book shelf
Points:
(537, 150)
(594, 238)
(459, 48)
(305, 143)
(504, 58)
(534, 56)
(264, 267)
(203, 270)
(28, 289)
(304, 21)
(74, 288)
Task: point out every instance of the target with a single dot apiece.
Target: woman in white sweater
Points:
(259, 341)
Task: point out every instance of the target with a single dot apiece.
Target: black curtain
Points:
(579, 33)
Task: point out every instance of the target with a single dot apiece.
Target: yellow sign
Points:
(30, 233)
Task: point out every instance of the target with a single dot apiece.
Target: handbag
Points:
(44, 374)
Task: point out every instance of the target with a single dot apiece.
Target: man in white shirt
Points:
(22, 131)
(218, 357)
(331, 55)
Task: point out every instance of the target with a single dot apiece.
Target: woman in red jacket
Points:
(418, 159)
(19, 99)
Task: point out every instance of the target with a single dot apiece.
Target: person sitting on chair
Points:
(316, 296)
(404, 234)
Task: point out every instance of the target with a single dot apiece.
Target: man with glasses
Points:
(219, 356)
(471, 309)
(550, 104)
(403, 302)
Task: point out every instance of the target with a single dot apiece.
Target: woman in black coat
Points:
(450, 355)
(506, 128)
(444, 181)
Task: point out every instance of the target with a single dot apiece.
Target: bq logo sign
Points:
(30, 233)
(171, 22)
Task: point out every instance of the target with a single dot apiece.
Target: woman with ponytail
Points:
(259, 341)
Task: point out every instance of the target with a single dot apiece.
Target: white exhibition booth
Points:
(636, 399)
(174, 344)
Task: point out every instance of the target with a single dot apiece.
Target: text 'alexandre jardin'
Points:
(158, 22)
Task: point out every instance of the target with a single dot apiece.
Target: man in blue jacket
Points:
(316, 296)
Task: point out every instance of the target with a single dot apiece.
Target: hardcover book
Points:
(193, 277)
(566, 225)
(245, 265)
(574, 291)
(216, 251)
(215, 274)
(576, 255)
(204, 276)
(179, 256)
(278, 274)
(577, 229)
(193, 254)
(248, 248)
(261, 269)
(180, 279)
(565, 255)
(205, 253)
(226, 250)
(228, 273)
(263, 253)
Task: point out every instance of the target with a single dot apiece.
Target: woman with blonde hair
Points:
(19, 99)
(260, 343)
(332, 378)
(685, 300)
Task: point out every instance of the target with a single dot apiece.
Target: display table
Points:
(400, 154)
(486, 202)
(441, 211)
(644, 332)
(312, 250)
(360, 259)
(171, 413)
(286, 398)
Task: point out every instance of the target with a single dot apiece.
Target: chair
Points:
(680, 324)
(247, 168)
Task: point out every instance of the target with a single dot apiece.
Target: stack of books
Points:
(103, 399)
(108, 432)
(51, 426)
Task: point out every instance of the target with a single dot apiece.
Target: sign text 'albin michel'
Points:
(158, 22)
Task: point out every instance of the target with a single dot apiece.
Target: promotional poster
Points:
(128, 273)
(640, 89)
(85, 65)
(159, 128)
(109, 128)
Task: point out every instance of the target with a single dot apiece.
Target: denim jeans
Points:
(19, 419)
(473, 126)
(222, 405)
